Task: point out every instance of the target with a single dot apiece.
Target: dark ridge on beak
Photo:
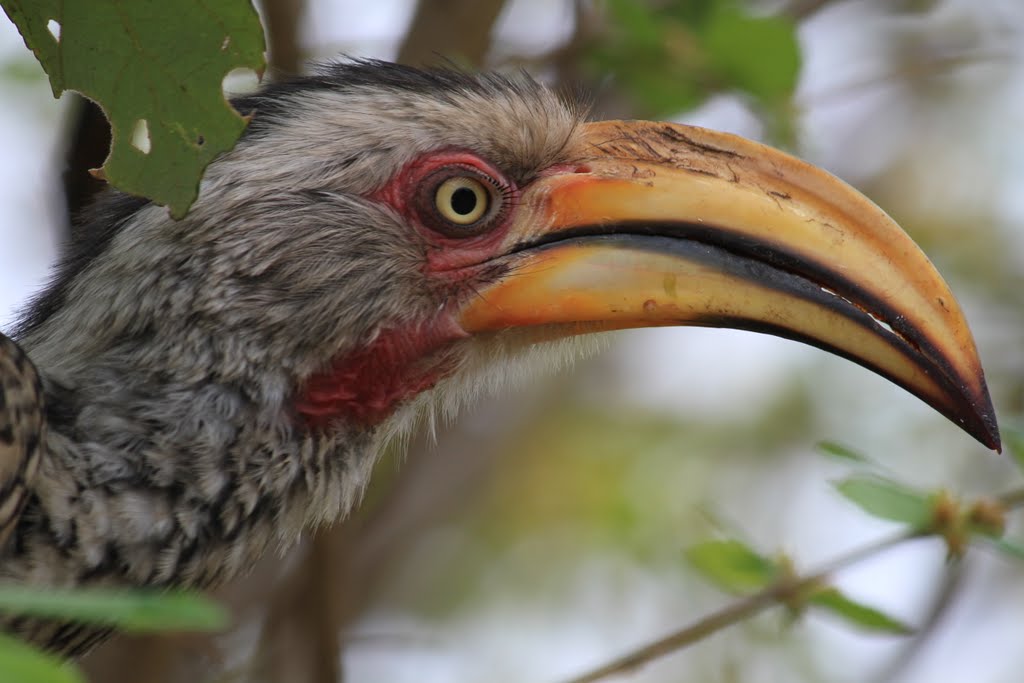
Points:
(774, 267)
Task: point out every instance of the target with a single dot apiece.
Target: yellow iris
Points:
(462, 200)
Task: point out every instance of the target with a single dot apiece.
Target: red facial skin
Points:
(446, 253)
(366, 385)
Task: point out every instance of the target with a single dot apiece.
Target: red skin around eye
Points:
(448, 253)
(365, 385)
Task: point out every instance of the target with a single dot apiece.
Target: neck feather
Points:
(151, 480)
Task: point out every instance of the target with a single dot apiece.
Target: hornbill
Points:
(385, 241)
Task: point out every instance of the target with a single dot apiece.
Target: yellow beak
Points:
(661, 224)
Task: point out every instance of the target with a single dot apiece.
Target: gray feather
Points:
(171, 351)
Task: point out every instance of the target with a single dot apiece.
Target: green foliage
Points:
(887, 499)
(128, 611)
(757, 55)
(161, 63)
(733, 566)
(24, 664)
(841, 452)
(857, 614)
(670, 56)
(137, 611)
(738, 569)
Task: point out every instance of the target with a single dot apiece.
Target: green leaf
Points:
(1014, 440)
(759, 55)
(692, 14)
(886, 499)
(860, 615)
(841, 452)
(672, 55)
(22, 663)
(732, 566)
(129, 611)
(637, 20)
(151, 61)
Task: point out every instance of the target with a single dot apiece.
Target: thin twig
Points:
(773, 595)
(443, 30)
(1011, 500)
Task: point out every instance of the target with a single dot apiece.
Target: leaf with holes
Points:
(156, 69)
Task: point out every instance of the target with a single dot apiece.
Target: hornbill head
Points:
(487, 217)
(383, 239)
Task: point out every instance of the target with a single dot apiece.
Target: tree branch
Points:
(281, 18)
(774, 595)
(779, 593)
(452, 29)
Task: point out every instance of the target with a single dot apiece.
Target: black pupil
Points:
(464, 201)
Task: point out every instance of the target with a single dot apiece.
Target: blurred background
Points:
(543, 533)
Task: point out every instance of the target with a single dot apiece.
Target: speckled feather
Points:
(171, 352)
(21, 432)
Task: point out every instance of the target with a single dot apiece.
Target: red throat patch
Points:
(368, 384)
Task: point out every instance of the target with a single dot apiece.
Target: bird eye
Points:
(462, 200)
